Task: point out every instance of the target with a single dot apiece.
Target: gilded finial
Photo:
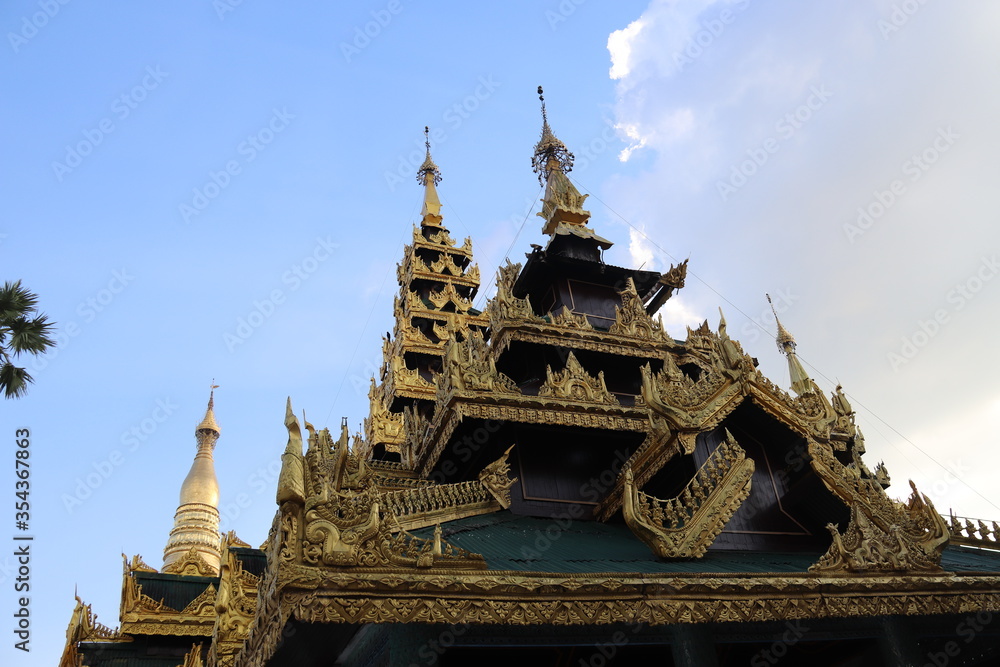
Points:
(428, 170)
(550, 153)
(784, 339)
(208, 423)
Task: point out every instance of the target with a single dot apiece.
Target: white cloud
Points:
(742, 111)
(620, 46)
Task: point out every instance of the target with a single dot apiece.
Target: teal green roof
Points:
(175, 590)
(531, 544)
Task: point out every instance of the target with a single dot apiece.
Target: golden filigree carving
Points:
(497, 480)
(575, 384)
(631, 319)
(570, 320)
(685, 526)
(191, 563)
(468, 366)
(347, 522)
(889, 534)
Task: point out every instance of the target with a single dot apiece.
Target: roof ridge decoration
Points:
(574, 383)
(345, 520)
(685, 526)
(882, 534)
(631, 319)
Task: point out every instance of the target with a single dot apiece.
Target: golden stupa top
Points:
(209, 423)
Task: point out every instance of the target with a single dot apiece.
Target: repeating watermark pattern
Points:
(779, 648)
(957, 298)
(293, 277)
(766, 321)
(248, 150)
(121, 108)
(223, 7)
(453, 116)
(31, 25)
(605, 652)
(786, 127)
(914, 167)
(131, 440)
(88, 309)
(364, 35)
(562, 12)
(263, 479)
(710, 31)
(22, 542)
(432, 650)
(899, 17)
(967, 630)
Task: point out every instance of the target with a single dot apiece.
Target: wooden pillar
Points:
(692, 646)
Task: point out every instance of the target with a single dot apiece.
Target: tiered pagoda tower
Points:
(437, 285)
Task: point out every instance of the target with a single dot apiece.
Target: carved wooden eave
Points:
(686, 526)
(441, 241)
(441, 270)
(515, 598)
(235, 605)
(407, 382)
(430, 504)
(84, 627)
(142, 615)
(345, 521)
(883, 533)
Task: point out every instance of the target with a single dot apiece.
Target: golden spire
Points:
(209, 421)
(196, 523)
(429, 176)
(801, 383)
(562, 205)
(550, 153)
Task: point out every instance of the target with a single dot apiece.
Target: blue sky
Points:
(220, 190)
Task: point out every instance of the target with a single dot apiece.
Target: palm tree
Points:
(22, 329)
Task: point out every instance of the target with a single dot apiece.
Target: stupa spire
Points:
(429, 176)
(196, 523)
(562, 205)
(801, 384)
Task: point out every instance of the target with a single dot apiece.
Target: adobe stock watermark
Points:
(779, 648)
(453, 117)
(263, 479)
(957, 298)
(785, 127)
(248, 149)
(563, 11)
(710, 31)
(294, 277)
(363, 35)
(914, 167)
(223, 7)
(88, 309)
(899, 17)
(131, 440)
(121, 108)
(31, 25)
(967, 630)
(765, 321)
